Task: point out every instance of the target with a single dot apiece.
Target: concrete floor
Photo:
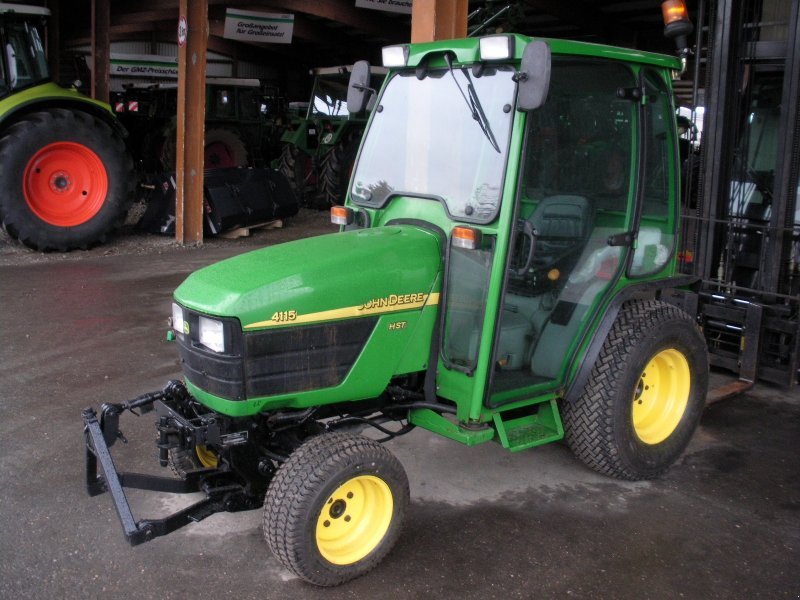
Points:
(89, 327)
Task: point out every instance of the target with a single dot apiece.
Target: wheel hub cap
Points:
(661, 396)
(354, 519)
(65, 184)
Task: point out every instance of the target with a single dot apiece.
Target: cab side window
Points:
(656, 240)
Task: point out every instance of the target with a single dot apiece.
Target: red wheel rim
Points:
(218, 155)
(65, 184)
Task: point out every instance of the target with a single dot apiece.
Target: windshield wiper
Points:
(473, 103)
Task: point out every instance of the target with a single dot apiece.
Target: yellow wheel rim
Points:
(661, 396)
(354, 519)
(206, 457)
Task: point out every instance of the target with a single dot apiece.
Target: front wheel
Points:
(335, 508)
(645, 395)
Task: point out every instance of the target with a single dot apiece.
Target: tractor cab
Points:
(24, 62)
(545, 211)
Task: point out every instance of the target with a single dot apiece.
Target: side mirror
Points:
(534, 76)
(358, 90)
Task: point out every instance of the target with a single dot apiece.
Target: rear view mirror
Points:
(534, 76)
(358, 90)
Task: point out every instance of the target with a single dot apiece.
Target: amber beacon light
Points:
(677, 24)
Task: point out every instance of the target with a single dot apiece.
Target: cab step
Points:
(519, 431)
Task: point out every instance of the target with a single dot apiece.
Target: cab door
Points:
(576, 192)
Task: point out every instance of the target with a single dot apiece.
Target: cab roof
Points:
(467, 51)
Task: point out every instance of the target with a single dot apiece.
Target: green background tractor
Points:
(66, 179)
(319, 150)
(508, 237)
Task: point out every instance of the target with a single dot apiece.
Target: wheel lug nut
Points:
(347, 518)
(349, 495)
(327, 523)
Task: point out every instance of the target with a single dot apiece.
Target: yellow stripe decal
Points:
(378, 306)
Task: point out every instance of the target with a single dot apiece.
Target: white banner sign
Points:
(396, 6)
(250, 26)
(143, 65)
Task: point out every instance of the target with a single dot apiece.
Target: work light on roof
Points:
(395, 56)
(496, 47)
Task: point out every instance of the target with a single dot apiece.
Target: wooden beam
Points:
(433, 20)
(339, 11)
(191, 123)
(101, 49)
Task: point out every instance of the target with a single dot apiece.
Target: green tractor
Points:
(319, 150)
(506, 247)
(66, 178)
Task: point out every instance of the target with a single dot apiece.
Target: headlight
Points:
(211, 334)
(178, 324)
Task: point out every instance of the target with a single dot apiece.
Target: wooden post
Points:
(433, 20)
(101, 49)
(192, 51)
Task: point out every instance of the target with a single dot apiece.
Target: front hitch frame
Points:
(223, 492)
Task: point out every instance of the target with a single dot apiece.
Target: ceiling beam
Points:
(584, 16)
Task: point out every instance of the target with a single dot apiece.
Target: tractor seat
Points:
(563, 224)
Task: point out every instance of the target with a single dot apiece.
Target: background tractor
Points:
(319, 149)
(243, 123)
(66, 178)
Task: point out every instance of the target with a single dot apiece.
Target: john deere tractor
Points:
(507, 240)
(66, 178)
(319, 150)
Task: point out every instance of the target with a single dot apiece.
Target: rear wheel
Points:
(645, 395)
(298, 168)
(337, 166)
(65, 180)
(335, 508)
(223, 148)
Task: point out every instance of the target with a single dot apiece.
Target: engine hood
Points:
(330, 277)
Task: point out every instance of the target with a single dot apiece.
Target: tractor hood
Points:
(325, 278)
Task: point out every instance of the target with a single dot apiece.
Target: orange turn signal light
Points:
(466, 237)
(674, 10)
(341, 215)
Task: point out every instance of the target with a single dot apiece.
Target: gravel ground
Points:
(126, 242)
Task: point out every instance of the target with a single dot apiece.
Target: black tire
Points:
(337, 166)
(63, 158)
(183, 461)
(609, 427)
(311, 492)
(224, 148)
(295, 165)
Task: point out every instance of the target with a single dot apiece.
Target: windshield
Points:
(330, 97)
(433, 138)
(24, 53)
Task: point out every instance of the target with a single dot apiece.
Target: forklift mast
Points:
(741, 228)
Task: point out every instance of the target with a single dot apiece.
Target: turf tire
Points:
(599, 425)
(302, 488)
